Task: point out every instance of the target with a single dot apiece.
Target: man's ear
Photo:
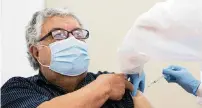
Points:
(34, 51)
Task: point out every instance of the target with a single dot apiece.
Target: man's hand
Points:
(117, 84)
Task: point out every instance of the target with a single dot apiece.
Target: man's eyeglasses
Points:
(60, 34)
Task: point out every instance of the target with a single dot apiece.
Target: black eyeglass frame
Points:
(68, 32)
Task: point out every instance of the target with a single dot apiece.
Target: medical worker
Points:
(169, 31)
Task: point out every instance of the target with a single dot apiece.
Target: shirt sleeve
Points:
(18, 93)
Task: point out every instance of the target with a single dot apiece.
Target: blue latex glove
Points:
(182, 77)
(138, 81)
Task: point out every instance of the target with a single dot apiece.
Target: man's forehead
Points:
(62, 18)
(67, 22)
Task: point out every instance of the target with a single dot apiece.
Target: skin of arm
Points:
(140, 101)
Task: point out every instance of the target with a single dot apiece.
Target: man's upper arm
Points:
(140, 101)
(17, 93)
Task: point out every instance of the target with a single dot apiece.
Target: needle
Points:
(155, 81)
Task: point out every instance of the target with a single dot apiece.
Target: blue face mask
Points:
(69, 57)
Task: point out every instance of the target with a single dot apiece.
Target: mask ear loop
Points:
(43, 64)
(40, 49)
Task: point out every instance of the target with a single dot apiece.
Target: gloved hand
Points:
(182, 77)
(138, 81)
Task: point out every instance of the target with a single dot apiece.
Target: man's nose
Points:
(70, 35)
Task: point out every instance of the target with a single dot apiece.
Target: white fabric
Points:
(132, 62)
(170, 30)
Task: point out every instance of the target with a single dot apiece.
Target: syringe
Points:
(155, 81)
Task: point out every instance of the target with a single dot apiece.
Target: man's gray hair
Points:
(33, 29)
